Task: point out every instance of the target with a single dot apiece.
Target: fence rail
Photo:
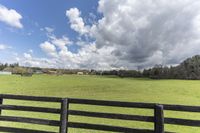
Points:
(31, 98)
(182, 108)
(112, 116)
(32, 109)
(112, 103)
(108, 128)
(64, 111)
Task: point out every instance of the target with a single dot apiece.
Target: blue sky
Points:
(98, 34)
(39, 14)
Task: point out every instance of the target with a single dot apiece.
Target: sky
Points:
(99, 34)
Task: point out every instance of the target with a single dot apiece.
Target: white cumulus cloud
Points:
(49, 29)
(27, 56)
(76, 21)
(61, 42)
(144, 33)
(131, 34)
(48, 48)
(3, 47)
(10, 17)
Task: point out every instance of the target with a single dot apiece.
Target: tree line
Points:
(188, 69)
(3, 66)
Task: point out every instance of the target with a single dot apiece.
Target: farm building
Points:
(39, 72)
(5, 73)
(80, 73)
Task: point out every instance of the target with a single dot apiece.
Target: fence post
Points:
(1, 102)
(159, 119)
(64, 115)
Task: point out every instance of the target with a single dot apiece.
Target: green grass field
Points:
(184, 92)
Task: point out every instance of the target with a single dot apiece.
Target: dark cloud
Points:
(141, 30)
(131, 34)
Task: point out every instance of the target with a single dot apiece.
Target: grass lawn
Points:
(186, 92)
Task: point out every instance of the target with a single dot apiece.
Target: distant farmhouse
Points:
(38, 72)
(80, 73)
(5, 73)
(17, 70)
(52, 72)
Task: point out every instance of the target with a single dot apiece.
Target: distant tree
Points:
(146, 72)
(188, 69)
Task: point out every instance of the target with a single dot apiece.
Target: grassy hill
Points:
(185, 92)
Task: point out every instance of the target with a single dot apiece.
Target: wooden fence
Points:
(158, 119)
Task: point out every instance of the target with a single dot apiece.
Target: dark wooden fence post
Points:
(64, 115)
(1, 102)
(159, 119)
